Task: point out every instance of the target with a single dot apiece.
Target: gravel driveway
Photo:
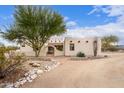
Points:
(108, 72)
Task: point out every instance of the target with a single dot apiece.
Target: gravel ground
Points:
(108, 72)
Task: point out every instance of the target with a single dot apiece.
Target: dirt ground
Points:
(106, 72)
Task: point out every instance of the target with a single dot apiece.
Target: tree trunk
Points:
(37, 52)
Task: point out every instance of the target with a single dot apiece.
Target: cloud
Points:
(111, 28)
(6, 17)
(95, 9)
(116, 10)
(71, 24)
(66, 18)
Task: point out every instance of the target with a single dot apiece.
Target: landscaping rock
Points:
(17, 84)
(33, 73)
(26, 74)
(31, 63)
(39, 71)
(33, 76)
(9, 85)
(23, 81)
(36, 65)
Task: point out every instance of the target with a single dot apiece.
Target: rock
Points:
(31, 72)
(23, 81)
(31, 63)
(9, 85)
(33, 76)
(105, 55)
(26, 74)
(17, 84)
(35, 70)
(46, 68)
(39, 71)
(36, 65)
(30, 80)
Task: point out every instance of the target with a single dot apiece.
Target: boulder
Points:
(39, 71)
(36, 65)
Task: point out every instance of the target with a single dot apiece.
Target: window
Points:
(71, 47)
(86, 41)
(78, 41)
(59, 47)
(95, 41)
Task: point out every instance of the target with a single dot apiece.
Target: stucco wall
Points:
(29, 51)
(58, 53)
(81, 46)
(99, 46)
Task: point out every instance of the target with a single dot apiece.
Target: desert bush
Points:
(10, 63)
(112, 49)
(80, 54)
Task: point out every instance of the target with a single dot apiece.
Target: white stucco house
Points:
(68, 46)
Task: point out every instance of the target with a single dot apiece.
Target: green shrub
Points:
(80, 54)
(112, 49)
(11, 62)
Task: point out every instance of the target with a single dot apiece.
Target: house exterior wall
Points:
(80, 45)
(99, 46)
(84, 45)
(56, 52)
(29, 51)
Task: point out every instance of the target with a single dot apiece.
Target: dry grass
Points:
(13, 76)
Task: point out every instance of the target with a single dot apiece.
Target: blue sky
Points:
(82, 20)
(75, 13)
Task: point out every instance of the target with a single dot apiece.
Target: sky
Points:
(81, 21)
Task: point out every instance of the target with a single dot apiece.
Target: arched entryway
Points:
(50, 50)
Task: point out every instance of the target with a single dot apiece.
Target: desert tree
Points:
(109, 42)
(34, 25)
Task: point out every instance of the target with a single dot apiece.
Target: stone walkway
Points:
(107, 72)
